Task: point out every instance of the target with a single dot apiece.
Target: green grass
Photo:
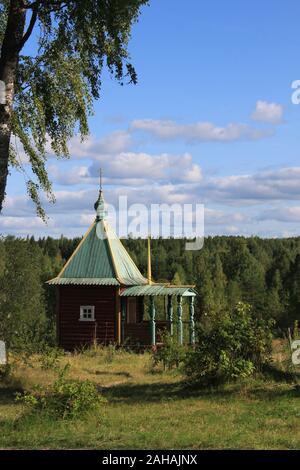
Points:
(147, 410)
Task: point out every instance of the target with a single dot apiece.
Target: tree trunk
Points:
(8, 70)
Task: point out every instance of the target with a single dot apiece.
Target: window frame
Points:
(82, 312)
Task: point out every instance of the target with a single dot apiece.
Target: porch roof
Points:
(158, 289)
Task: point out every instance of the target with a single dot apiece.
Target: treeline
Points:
(262, 272)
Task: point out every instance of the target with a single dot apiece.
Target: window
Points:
(87, 313)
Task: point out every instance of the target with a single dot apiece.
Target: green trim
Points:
(152, 322)
(179, 319)
(83, 281)
(192, 322)
(170, 313)
(123, 318)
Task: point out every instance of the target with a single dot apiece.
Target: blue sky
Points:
(211, 121)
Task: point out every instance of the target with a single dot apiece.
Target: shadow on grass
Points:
(270, 371)
(164, 391)
(159, 392)
(8, 390)
(106, 372)
(274, 393)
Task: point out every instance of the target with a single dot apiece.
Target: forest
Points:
(264, 273)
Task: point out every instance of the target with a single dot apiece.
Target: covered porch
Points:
(137, 330)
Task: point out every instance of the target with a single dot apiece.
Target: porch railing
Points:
(140, 333)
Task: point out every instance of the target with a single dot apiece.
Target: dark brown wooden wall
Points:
(71, 331)
(139, 309)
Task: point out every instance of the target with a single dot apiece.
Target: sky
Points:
(211, 121)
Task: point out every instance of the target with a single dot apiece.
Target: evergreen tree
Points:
(22, 312)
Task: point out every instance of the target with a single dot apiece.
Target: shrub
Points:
(236, 345)
(170, 354)
(50, 358)
(67, 398)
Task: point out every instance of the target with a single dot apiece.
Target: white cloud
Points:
(276, 185)
(199, 131)
(113, 143)
(286, 214)
(232, 229)
(22, 224)
(76, 175)
(132, 169)
(220, 217)
(161, 178)
(73, 211)
(271, 113)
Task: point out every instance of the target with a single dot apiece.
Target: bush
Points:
(50, 358)
(235, 346)
(170, 354)
(67, 398)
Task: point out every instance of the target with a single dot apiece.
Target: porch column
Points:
(118, 317)
(179, 314)
(123, 313)
(192, 322)
(152, 321)
(170, 314)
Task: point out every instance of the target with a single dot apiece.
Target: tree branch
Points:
(29, 30)
(50, 5)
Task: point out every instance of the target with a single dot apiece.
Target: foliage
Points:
(56, 83)
(67, 398)
(50, 358)
(236, 346)
(170, 354)
(22, 312)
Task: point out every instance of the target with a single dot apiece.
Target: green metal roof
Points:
(92, 259)
(127, 271)
(100, 258)
(155, 290)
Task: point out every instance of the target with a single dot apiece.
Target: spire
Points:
(99, 206)
(100, 179)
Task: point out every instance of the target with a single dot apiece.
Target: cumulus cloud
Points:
(148, 178)
(282, 184)
(271, 113)
(113, 143)
(132, 169)
(22, 224)
(220, 217)
(74, 210)
(283, 214)
(164, 167)
(75, 175)
(199, 131)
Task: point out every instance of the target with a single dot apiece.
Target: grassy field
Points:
(149, 409)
